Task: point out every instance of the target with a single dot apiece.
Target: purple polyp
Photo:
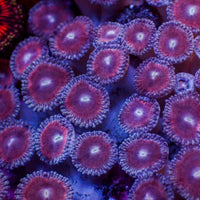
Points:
(17, 144)
(54, 139)
(44, 185)
(143, 154)
(42, 82)
(27, 52)
(94, 153)
(139, 113)
(84, 103)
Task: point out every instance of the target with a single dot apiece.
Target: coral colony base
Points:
(100, 100)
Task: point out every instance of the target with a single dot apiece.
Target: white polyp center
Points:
(51, 18)
(46, 193)
(27, 57)
(85, 98)
(189, 120)
(138, 112)
(154, 74)
(110, 32)
(192, 10)
(11, 141)
(70, 36)
(94, 150)
(196, 173)
(57, 138)
(107, 60)
(148, 196)
(182, 84)
(172, 43)
(45, 82)
(140, 36)
(142, 153)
